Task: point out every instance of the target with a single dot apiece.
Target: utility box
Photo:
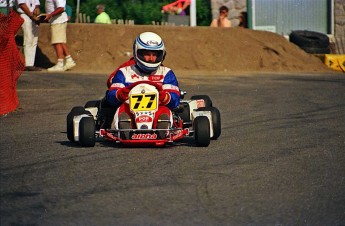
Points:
(177, 20)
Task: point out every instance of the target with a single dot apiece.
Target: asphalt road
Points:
(280, 159)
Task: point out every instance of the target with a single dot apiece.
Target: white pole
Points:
(77, 12)
(193, 13)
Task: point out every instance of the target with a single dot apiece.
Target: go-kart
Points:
(192, 118)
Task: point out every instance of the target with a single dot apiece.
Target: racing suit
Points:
(129, 73)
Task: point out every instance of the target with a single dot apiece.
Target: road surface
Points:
(280, 159)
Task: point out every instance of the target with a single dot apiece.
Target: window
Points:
(283, 16)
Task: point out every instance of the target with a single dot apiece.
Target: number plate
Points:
(143, 102)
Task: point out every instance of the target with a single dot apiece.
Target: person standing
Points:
(57, 17)
(103, 17)
(222, 20)
(69, 11)
(12, 62)
(243, 20)
(29, 10)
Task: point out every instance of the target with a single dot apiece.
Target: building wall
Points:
(237, 6)
(339, 17)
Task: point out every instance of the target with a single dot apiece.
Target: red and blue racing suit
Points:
(128, 73)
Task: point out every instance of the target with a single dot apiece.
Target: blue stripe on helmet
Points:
(160, 45)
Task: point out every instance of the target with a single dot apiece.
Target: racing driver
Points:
(145, 65)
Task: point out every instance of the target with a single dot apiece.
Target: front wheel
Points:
(216, 122)
(74, 112)
(202, 131)
(87, 132)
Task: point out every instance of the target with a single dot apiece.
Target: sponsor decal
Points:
(134, 76)
(200, 103)
(155, 78)
(152, 42)
(117, 85)
(143, 118)
(171, 87)
(144, 136)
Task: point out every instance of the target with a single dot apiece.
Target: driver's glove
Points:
(122, 94)
(164, 97)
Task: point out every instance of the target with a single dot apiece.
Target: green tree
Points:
(141, 11)
(203, 12)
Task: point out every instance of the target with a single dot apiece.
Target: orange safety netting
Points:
(12, 62)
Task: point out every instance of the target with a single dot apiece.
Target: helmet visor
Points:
(150, 56)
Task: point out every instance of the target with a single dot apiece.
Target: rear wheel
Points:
(216, 121)
(185, 114)
(87, 132)
(207, 99)
(74, 112)
(93, 103)
(202, 131)
(312, 39)
(315, 50)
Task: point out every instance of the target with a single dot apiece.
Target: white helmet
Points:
(148, 41)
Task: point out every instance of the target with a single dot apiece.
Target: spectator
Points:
(243, 20)
(29, 10)
(69, 11)
(103, 17)
(57, 16)
(178, 7)
(222, 20)
(12, 62)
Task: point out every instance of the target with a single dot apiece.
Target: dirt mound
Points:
(101, 48)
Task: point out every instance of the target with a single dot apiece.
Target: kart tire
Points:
(207, 99)
(201, 131)
(216, 121)
(303, 38)
(87, 132)
(74, 112)
(93, 103)
(314, 50)
(185, 114)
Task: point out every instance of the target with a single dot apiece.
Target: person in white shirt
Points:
(29, 10)
(57, 17)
